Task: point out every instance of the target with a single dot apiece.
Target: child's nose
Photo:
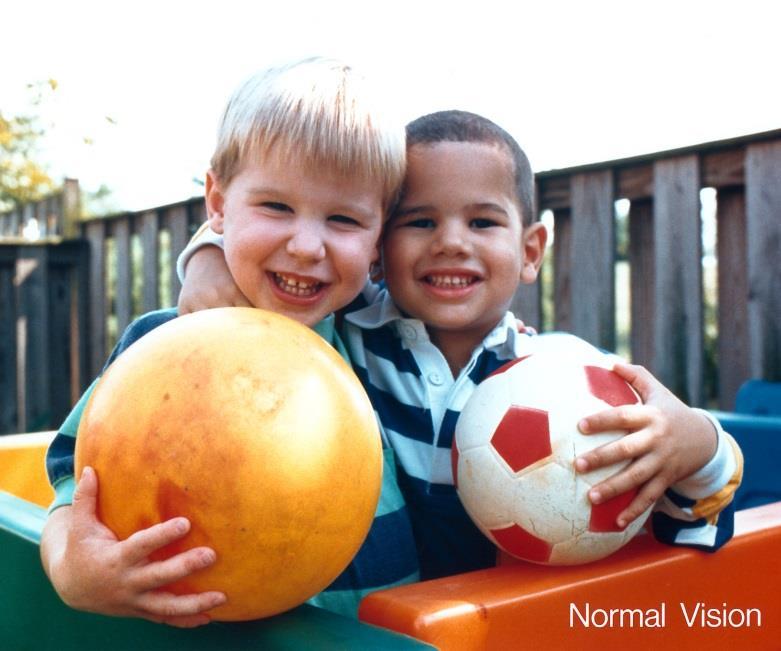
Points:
(306, 243)
(451, 240)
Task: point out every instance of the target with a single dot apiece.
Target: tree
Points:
(22, 178)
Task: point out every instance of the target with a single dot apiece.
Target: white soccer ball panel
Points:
(534, 382)
(587, 547)
(549, 504)
(483, 413)
(487, 495)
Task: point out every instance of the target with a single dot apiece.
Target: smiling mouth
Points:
(450, 281)
(296, 286)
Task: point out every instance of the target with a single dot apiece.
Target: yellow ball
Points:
(255, 429)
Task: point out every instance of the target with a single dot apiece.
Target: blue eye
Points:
(344, 219)
(276, 205)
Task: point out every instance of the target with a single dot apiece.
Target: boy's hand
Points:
(523, 328)
(666, 441)
(92, 570)
(208, 283)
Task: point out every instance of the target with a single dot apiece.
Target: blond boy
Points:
(303, 173)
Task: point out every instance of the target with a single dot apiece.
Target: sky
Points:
(574, 82)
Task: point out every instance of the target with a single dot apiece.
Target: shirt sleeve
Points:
(59, 456)
(203, 236)
(699, 511)
(60, 466)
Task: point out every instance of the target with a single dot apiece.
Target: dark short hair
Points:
(462, 126)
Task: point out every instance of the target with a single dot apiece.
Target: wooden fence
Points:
(62, 302)
(665, 259)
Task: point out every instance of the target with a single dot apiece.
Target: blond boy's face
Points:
(455, 251)
(296, 243)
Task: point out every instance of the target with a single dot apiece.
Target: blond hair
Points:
(318, 113)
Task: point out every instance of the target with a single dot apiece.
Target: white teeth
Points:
(294, 286)
(450, 281)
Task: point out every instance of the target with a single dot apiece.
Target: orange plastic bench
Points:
(23, 466)
(631, 600)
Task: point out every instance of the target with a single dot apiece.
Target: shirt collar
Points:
(383, 311)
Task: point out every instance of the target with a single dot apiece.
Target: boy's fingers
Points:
(627, 417)
(639, 377)
(633, 476)
(141, 544)
(159, 574)
(191, 621)
(644, 499)
(85, 496)
(627, 447)
(169, 608)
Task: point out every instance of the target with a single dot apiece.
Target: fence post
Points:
(592, 252)
(732, 251)
(150, 297)
(32, 337)
(71, 209)
(763, 222)
(678, 337)
(8, 384)
(96, 235)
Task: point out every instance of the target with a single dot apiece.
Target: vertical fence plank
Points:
(123, 296)
(80, 320)
(179, 228)
(8, 407)
(641, 266)
(96, 236)
(526, 304)
(592, 253)
(32, 336)
(149, 244)
(678, 336)
(70, 209)
(527, 301)
(731, 251)
(59, 358)
(562, 270)
(763, 226)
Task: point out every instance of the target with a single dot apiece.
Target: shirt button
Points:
(408, 332)
(435, 379)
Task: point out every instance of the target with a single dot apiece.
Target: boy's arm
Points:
(206, 280)
(87, 565)
(93, 571)
(681, 460)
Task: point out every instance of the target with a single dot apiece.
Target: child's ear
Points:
(215, 201)
(533, 244)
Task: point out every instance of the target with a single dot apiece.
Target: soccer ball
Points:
(513, 460)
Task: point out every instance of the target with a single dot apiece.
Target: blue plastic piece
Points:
(759, 438)
(759, 397)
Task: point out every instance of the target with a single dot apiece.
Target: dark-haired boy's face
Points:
(454, 252)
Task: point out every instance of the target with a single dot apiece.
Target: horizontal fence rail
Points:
(65, 298)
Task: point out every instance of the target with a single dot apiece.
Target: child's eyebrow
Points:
(483, 205)
(259, 190)
(493, 207)
(412, 210)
